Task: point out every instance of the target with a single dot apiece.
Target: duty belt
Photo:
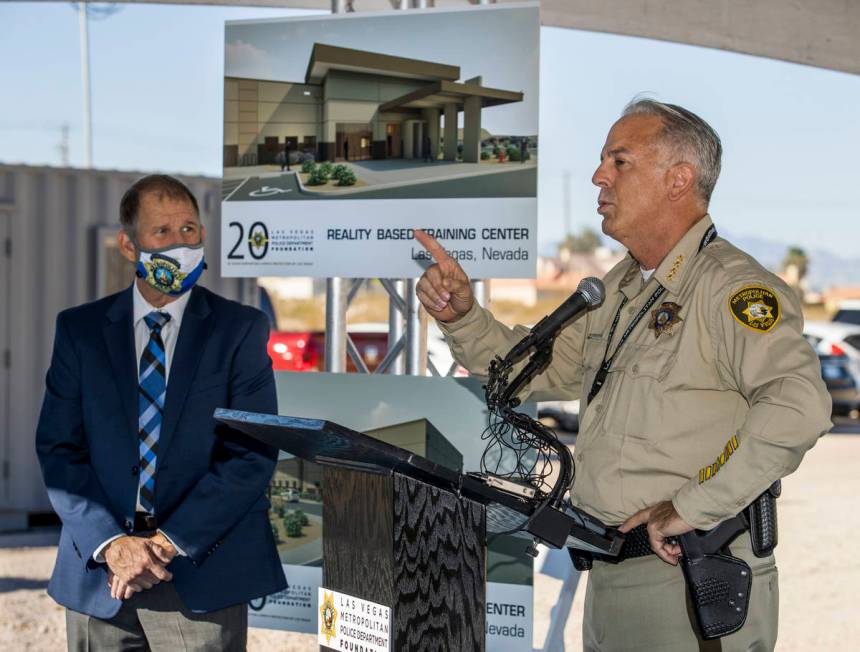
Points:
(718, 583)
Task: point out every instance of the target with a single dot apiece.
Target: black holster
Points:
(719, 583)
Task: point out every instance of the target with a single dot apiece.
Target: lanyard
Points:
(603, 371)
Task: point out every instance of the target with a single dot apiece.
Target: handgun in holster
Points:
(718, 582)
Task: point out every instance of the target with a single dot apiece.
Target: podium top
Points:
(324, 442)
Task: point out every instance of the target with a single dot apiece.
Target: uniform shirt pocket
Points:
(653, 361)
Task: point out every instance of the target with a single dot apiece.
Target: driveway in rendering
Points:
(507, 183)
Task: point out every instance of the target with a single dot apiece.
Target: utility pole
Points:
(83, 24)
(63, 147)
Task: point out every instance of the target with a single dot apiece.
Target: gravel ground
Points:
(818, 572)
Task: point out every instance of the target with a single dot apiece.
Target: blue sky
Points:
(790, 132)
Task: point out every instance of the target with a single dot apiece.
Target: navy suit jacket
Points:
(210, 480)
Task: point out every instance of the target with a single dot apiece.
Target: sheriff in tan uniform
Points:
(708, 392)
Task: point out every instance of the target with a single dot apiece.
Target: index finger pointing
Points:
(432, 245)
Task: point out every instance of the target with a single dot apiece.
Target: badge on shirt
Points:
(665, 318)
(755, 307)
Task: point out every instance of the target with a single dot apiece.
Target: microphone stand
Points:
(548, 518)
(536, 365)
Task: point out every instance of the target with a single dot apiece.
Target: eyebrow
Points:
(618, 150)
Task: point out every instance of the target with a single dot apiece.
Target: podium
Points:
(405, 532)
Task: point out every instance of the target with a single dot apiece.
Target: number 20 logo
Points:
(258, 241)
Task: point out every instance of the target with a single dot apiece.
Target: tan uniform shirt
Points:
(713, 396)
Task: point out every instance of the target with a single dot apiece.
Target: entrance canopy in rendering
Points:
(325, 58)
(437, 95)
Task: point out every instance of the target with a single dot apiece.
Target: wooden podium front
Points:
(413, 547)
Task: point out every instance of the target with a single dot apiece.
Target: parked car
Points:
(844, 389)
(830, 338)
(295, 351)
(848, 313)
(305, 350)
(291, 495)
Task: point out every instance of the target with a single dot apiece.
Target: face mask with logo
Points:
(173, 270)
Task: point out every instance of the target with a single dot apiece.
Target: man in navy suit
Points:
(165, 532)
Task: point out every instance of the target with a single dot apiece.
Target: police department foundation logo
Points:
(258, 240)
(164, 272)
(755, 307)
(665, 318)
(328, 616)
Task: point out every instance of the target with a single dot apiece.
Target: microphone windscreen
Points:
(592, 289)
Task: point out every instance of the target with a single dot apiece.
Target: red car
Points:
(305, 351)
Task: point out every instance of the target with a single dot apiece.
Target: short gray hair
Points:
(161, 185)
(691, 138)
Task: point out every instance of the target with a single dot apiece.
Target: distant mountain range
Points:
(826, 270)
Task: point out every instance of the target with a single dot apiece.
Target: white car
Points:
(848, 313)
(839, 339)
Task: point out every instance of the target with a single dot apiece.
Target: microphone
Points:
(589, 294)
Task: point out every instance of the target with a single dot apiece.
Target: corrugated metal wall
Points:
(52, 224)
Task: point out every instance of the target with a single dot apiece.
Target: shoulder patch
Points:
(755, 307)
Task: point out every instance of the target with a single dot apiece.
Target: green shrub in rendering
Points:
(308, 166)
(301, 517)
(326, 168)
(317, 177)
(292, 527)
(347, 178)
(514, 153)
(338, 170)
(485, 156)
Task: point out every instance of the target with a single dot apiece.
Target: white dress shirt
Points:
(169, 335)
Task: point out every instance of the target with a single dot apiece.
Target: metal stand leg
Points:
(558, 617)
(335, 325)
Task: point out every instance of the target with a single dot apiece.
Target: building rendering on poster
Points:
(343, 134)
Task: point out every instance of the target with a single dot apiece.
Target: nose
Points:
(601, 177)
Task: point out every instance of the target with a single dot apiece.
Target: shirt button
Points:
(129, 525)
(598, 408)
(579, 457)
(636, 369)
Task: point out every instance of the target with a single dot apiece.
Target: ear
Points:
(126, 247)
(680, 179)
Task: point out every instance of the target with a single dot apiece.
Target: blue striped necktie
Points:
(151, 392)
